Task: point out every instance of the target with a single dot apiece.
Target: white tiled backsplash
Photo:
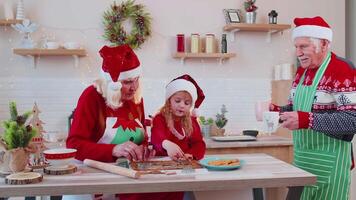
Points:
(57, 98)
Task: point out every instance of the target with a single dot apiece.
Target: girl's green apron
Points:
(319, 154)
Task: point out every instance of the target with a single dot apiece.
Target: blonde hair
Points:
(113, 98)
(186, 121)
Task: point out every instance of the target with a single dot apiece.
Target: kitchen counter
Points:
(279, 147)
(257, 171)
(260, 142)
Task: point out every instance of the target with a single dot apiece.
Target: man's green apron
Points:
(319, 154)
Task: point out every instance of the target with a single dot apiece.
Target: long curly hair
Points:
(186, 121)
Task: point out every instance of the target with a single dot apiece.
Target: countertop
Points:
(262, 141)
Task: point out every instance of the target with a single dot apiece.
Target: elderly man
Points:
(321, 111)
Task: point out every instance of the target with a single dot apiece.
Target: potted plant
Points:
(250, 9)
(205, 125)
(15, 145)
(220, 121)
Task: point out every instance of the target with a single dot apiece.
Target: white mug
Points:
(71, 45)
(52, 45)
(270, 121)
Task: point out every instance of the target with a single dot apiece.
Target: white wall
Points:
(56, 84)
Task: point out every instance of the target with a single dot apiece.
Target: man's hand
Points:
(173, 150)
(129, 150)
(290, 120)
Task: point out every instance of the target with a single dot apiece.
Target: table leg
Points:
(56, 198)
(294, 193)
(257, 194)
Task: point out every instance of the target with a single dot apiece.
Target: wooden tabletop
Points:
(258, 171)
(262, 141)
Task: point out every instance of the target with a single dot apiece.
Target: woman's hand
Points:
(129, 150)
(173, 150)
(148, 152)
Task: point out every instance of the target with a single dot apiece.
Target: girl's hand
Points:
(188, 156)
(173, 150)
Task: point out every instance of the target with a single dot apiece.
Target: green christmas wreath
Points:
(117, 14)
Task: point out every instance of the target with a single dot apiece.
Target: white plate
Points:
(234, 138)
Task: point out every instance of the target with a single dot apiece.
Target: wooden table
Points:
(258, 171)
(279, 147)
(276, 146)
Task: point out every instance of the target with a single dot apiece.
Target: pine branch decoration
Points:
(17, 134)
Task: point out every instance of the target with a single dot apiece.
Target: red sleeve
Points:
(158, 130)
(304, 119)
(87, 128)
(274, 107)
(197, 144)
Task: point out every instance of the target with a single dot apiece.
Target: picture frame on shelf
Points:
(232, 16)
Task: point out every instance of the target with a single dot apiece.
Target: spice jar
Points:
(180, 43)
(209, 43)
(194, 43)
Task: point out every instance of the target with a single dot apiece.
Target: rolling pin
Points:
(112, 168)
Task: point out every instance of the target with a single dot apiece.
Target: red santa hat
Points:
(315, 27)
(186, 83)
(119, 63)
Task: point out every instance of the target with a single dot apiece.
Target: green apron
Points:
(327, 158)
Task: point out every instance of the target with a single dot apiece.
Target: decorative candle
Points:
(272, 16)
(180, 43)
(194, 43)
(209, 43)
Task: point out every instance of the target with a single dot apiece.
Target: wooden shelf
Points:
(220, 56)
(257, 27)
(50, 52)
(35, 53)
(6, 22)
(204, 55)
(268, 28)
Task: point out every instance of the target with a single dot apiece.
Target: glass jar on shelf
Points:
(194, 43)
(209, 43)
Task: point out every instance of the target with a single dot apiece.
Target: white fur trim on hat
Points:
(114, 86)
(181, 85)
(105, 75)
(130, 74)
(312, 31)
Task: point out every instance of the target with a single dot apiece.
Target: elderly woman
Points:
(109, 117)
(109, 108)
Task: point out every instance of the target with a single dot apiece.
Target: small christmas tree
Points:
(37, 158)
(221, 120)
(36, 122)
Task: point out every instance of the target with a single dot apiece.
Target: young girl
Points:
(174, 131)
